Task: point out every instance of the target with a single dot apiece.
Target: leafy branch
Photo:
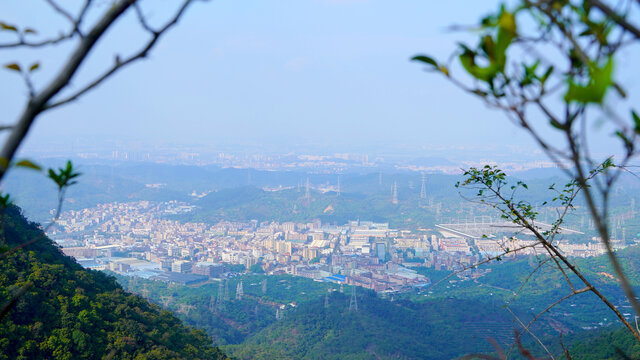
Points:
(568, 50)
(490, 183)
(46, 98)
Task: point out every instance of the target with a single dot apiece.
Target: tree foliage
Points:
(67, 312)
(554, 62)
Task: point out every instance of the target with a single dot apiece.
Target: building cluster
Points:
(496, 237)
(141, 239)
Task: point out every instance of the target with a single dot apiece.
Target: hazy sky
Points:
(286, 75)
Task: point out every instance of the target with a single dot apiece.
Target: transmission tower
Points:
(423, 188)
(132, 284)
(220, 300)
(342, 288)
(264, 286)
(166, 301)
(145, 291)
(338, 185)
(212, 303)
(394, 193)
(278, 314)
(185, 309)
(353, 303)
(226, 290)
(326, 300)
(307, 194)
(239, 291)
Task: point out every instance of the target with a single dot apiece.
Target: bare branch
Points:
(620, 20)
(60, 10)
(142, 20)
(529, 331)
(75, 30)
(575, 292)
(603, 229)
(35, 44)
(472, 266)
(528, 278)
(119, 64)
(523, 221)
(40, 102)
(37, 103)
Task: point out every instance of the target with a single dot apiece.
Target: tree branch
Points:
(120, 64)
(620, 20)
(61, 11)
(37, 103)
(602, 229)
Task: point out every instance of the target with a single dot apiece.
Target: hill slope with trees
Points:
(67, 312)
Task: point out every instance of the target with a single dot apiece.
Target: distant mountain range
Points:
(363, 195)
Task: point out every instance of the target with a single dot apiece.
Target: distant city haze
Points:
(317, 76)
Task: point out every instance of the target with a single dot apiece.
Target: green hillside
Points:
(68, 312)
(248, 328)
(608, 344)
(380, 329)
(454, 319)
(246, 203)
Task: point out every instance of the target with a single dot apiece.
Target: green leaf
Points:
(507, 22)
(28, 164)
(425, 59)
(627, 143)
(546, 75)
(13, 66)
(467, 59)
(636, 121)
(63, 177)
(34, 66)
(556, 124)
(608, 163)
(507, 31)
(600, 79)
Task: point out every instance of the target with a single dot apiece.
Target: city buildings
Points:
(138, 239)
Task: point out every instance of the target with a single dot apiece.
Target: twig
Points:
(119, 64)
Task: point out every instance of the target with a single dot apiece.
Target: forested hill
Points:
(68, 312)
(379, 329)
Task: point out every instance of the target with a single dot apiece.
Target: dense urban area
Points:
(138, 239)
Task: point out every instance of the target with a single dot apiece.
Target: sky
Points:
(283, 76)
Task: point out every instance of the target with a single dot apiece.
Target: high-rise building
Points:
(181, 266)
(381, 251)
(394, 193)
